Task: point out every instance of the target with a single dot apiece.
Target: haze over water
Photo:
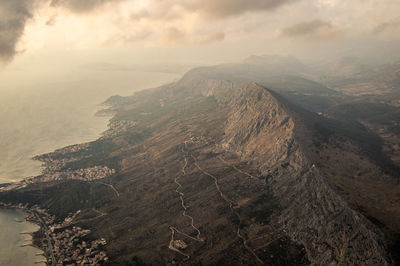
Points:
(38, 116)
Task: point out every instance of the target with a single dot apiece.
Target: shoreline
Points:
(99, 112)
(55, 170)
(32, 234)
(60, 242)
(45, 232)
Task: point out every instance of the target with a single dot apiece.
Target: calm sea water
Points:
(11, 252)
(40, 116)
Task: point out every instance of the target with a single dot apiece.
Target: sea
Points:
(13, 236)
(39, 116)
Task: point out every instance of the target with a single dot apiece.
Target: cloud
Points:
(81, 6)
(14, 14)
(51, 21)
(227, 8)
(214, 37)
(216, 9)
(143, 13)
(129, 37)
(13, 17)
(183, 18)
(172, 35)
(166, 17)
(383, 27)
(314, 29)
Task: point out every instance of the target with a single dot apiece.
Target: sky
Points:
(58, 55)
(51, 35)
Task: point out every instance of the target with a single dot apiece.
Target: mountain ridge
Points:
(281, 150)
(216, 171)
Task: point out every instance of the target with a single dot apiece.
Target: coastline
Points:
(66, 119)
(44, 239)
(29, 228)
(49, 171)
(51, 236)
(25, 211)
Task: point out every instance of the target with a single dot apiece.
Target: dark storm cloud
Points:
(316, 28)
(13, 17)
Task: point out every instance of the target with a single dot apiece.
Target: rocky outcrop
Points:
(261, 130)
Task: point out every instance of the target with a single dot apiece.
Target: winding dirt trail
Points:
(181, 195)
(101, 214)
(184, 234)
(110, 186)
(171, 243)
(223, 196)
(237, 169)
(184, 207)
(231, 204)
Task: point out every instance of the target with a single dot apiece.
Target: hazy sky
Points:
(55, 34)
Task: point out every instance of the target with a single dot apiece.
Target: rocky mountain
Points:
(217, 169)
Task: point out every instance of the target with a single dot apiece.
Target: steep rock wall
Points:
(262, 130)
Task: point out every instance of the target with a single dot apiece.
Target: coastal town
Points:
(53, 169)
(63, 243)
(85, 174)
(117, 127)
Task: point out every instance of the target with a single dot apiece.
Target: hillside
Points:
(212, 171)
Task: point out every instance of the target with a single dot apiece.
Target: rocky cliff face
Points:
(261, 130)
